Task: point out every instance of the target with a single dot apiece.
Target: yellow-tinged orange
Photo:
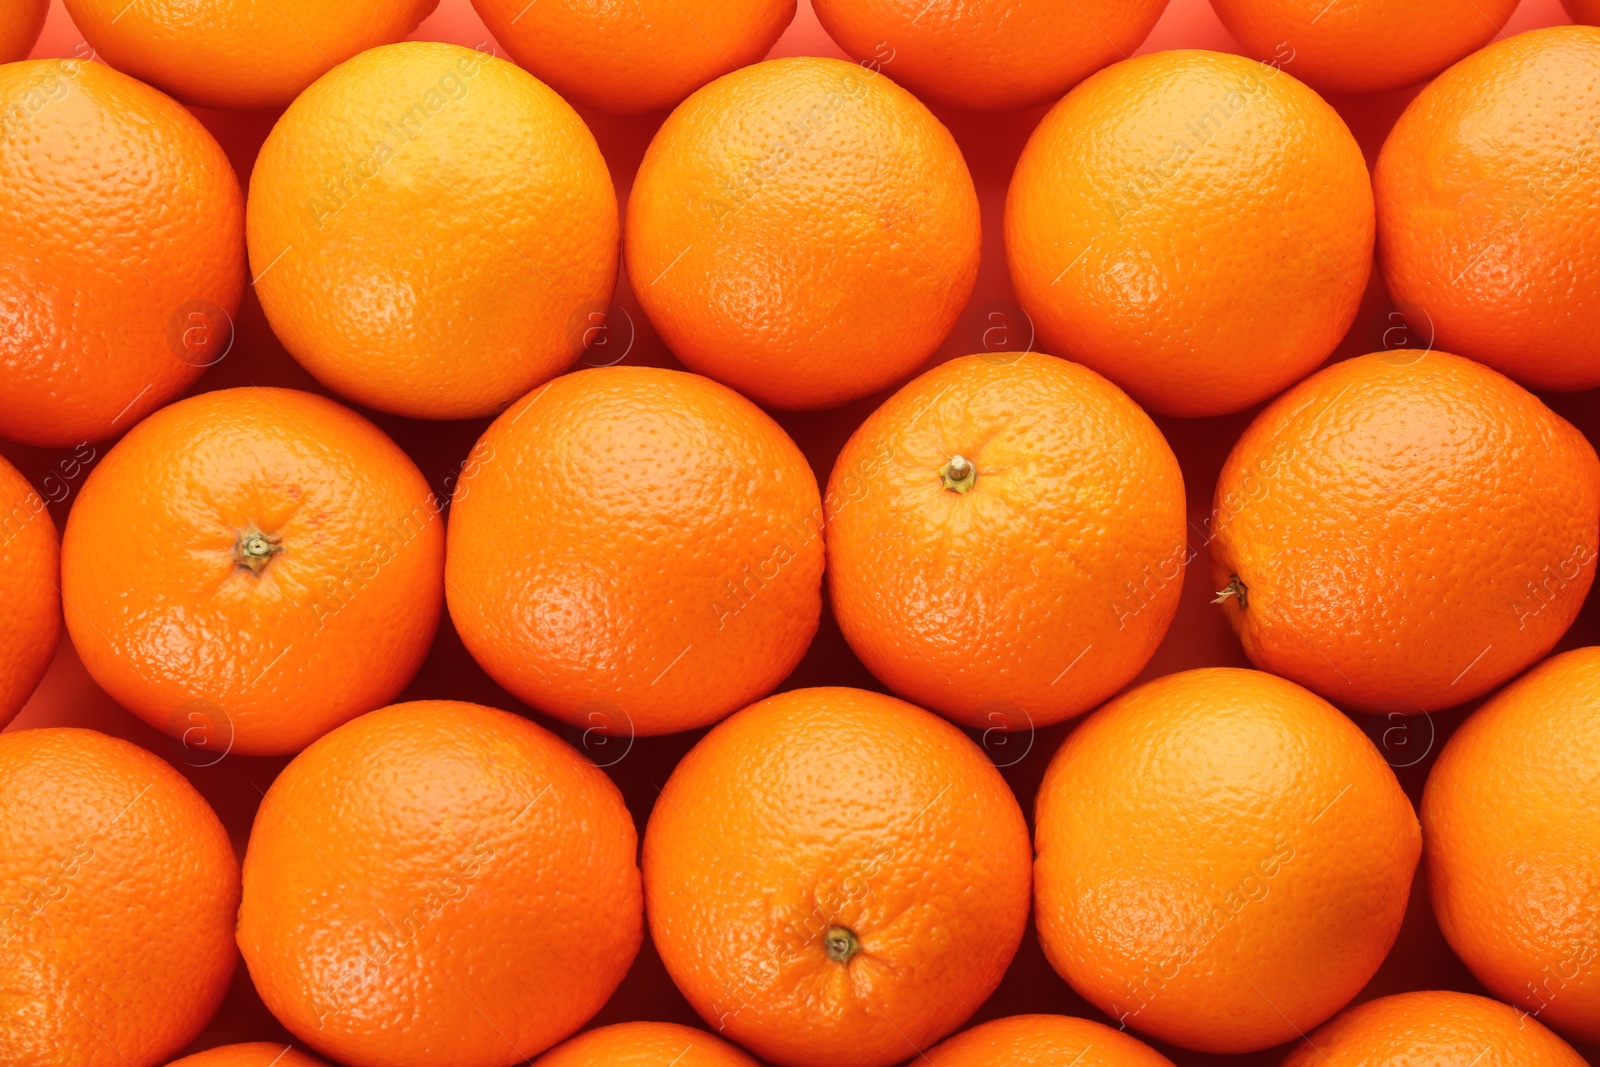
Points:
(1434, 1029)
(251, 1054)
(1043, 1041)
(30, 595)
(20, 23)
(642, 1044)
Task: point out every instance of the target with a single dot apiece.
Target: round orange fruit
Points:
(251, 1054)
(943, 498)
(121, 251)
(989, 55)
(1513, 859)
(645, 1045)
(1223, 859)
(1363, 46)
(1404, 532)
(1043, 1041)
(30, 597)
(834, 877)
(439, 883)
(637, 551)
(116, 923)
(646, 55)
(239, 53)
(1486, 188)
(247, 569)
(20, 24)
(803, 230)
(1197, 227)
(1439, 1029)
(432, 231)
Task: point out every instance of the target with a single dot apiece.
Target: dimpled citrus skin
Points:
(645, 1045)
(117, 895)
(1042, 589)
(1366, 45)
(239, 53)
(1434, 1029)
(251, 1054)
(643, 55)
(122, 234)
(1513, 861)
(636, 550)
(439, 884)
(1214, 839)
(1197, 227)
(1486, 188)
(803, 230)
(837, 810)
(20, 23)
(168, 620)
(989, 55)
(30, 597)
(431, 230)
(1043, 1041)
(1410, 531)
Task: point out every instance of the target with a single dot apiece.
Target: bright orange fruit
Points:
(645, 1045)
(1197, 227)
(834, 877)
(1436, 1029)
(1513, 859)
(803, 230)
(121, 251)
(940, 503)
(20, 23)
(1403, 532)
(30, 595)
(252, 1054)
(116, 920)
(247, 569)
(1043, 1041)
(1486, 188)
(433, 231)
(439, 883)
(645, 55)
(1223, 859)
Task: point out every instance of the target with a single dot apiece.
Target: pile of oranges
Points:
(855, 646)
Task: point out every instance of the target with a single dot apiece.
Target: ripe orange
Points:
(989, 55)
(30, 599)
(1404, 533)
(247, 569)
(253, 1054)
(942, 499)
(1436, 1030)
(121, 251)
(834, 877)
(1043, 1041)
(239, 53)
(117, 906)
(637, 551)
(1197, 227)
(439, 883)
(1584, 11)
(1223, 859)
(642, 56)
(645, 1045)
(1366, 45)
(20, 23)
(804, 230)
(431, 231)
(1486, 189)
(1513, 859)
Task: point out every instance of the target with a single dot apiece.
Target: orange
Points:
(439, 884)
(253, 1054)
(646, 1045)
(1513, 859)
(1363, 46)
(1223, 859)
(804, 230)
(30, 599)
(989, 55)
(1486, 188)
(637, 550)
(1197, 227)
(1434, 1030)
(117, 895)
(248, 569)
(20, 23)
(834, 877)
(239, 53)
(1404, 532)
(1584, 11)
(431, 231)
(121, 251)
(645, 55)
(942, 500)
(1043, 1041)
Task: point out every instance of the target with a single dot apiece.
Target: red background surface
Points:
(1199, 635)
